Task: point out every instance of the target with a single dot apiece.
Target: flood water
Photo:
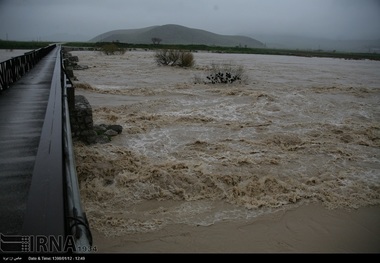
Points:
(6, 54)
(297, 130)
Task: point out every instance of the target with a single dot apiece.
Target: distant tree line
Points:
(267, 51)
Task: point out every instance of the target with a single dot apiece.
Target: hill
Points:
(176, 34)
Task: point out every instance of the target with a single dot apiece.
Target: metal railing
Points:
(54, 207)
(13, 69)
(77, 223)
(45, 206)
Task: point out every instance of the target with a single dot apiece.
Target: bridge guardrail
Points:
(45, 206)
(78, 225)
(54, 207)
(13, 69)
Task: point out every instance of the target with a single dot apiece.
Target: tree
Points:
(156, 40)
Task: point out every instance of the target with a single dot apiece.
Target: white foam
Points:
(301, 130)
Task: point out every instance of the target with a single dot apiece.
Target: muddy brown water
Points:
(298, 130)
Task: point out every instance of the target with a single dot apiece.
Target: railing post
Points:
(70, 96)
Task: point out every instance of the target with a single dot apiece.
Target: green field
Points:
(216, 49)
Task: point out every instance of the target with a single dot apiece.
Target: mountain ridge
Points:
(176, 34)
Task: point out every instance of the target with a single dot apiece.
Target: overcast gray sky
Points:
(335, 19)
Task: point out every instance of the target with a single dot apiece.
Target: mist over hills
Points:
(315, 43)
(176, 34)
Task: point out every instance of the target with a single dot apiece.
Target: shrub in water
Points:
(223, 74)
(174, 58)
(112, 49)
(187, 60)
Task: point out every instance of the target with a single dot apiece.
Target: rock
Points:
(87, 133)
(102, 139)
(81, 67)
(90, 139)
(100, 129)
(111, 133)
(73, 58)
(83, 128)
(116, 128)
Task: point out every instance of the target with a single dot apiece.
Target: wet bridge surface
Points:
(39, 192)
(22, 112)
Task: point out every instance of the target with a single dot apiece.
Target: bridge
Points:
(39, 193)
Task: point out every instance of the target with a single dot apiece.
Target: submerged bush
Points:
(112, 49)
(186, 60)
(223, 74)
(174, 58)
